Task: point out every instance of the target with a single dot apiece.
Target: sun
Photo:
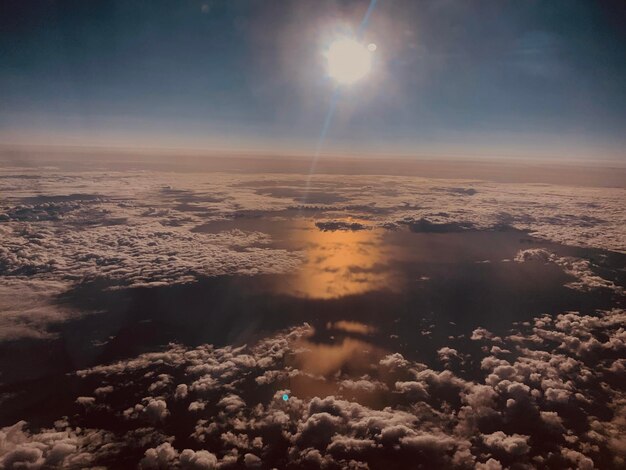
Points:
(349, 60)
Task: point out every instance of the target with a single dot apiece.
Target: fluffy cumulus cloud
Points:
(60, 446)
(552, 396)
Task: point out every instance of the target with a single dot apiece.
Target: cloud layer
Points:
(548, 395)
(543, 393)
(139, 228)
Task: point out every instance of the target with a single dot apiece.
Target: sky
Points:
(483, 78)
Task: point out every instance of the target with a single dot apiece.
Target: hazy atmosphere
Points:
(500, 78)
(312, 235)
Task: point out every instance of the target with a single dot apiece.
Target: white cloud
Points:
(197, 460)
(580, 269)
(160, 457)
(515, 444)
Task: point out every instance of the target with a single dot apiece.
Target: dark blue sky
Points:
(511, 78)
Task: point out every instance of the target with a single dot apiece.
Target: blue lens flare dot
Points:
(285, 397)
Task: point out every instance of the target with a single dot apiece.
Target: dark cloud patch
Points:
(461, 191)
(426, 226)
(331, 226)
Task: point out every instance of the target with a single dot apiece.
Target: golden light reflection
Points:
(351, 327)
(340, 263)
(326, 359)
(322, 363)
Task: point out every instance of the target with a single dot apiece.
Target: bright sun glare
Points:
(348, 60)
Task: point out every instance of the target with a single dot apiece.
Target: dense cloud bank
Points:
(590, 217)
(142, 229)
(131, 231)
(551, 394)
